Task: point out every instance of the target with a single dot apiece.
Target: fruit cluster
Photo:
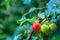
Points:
(44, 27)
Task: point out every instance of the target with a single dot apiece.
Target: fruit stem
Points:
(40, 20)
(31, 35)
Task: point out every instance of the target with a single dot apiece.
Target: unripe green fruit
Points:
(44, 28)
(53, 26)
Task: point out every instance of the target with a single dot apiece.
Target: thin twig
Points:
(31, 35)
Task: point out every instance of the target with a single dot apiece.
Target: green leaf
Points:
(41, 15)
(21, 20)
(32, 9)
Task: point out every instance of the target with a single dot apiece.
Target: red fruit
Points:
(36, 26)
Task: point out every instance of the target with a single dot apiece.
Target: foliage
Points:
(27, 11)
